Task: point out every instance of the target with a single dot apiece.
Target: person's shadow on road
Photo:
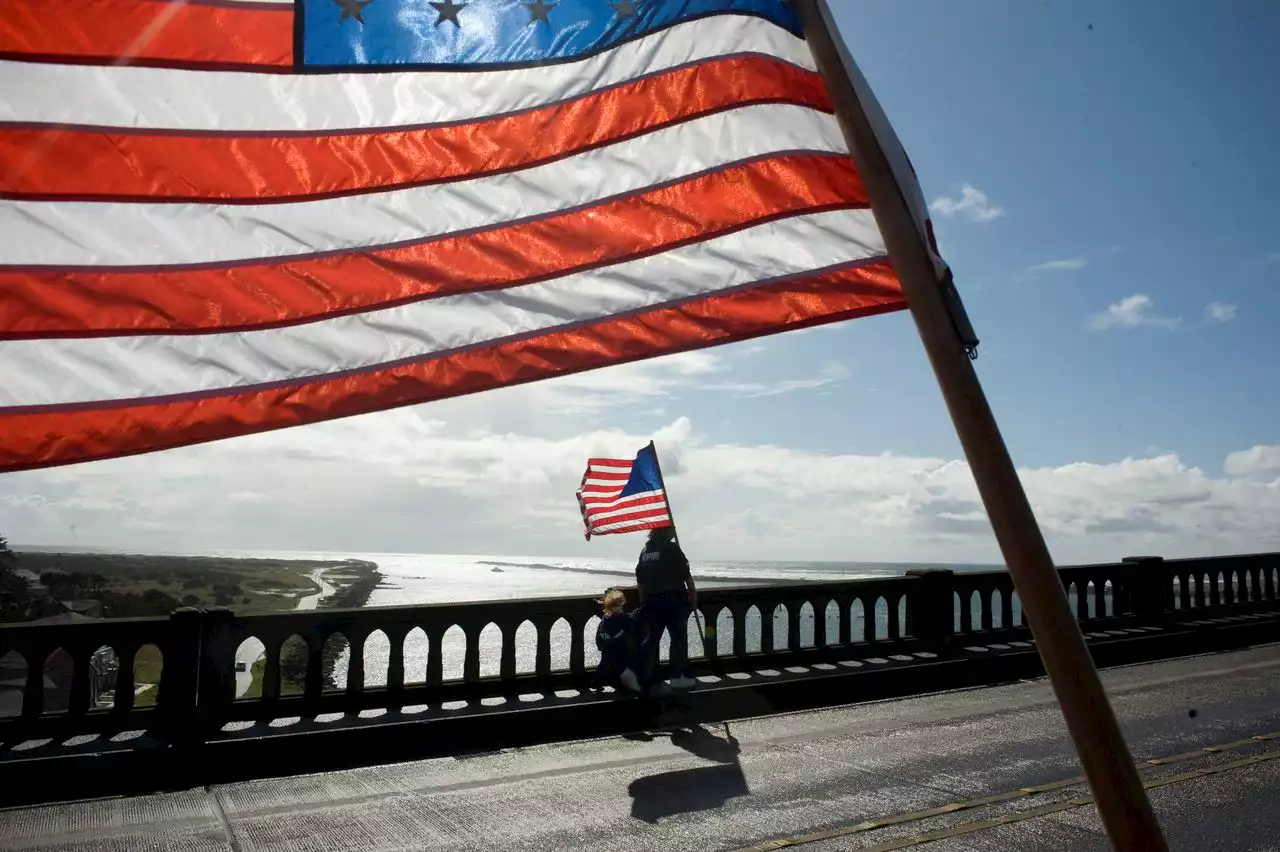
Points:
(702, 788)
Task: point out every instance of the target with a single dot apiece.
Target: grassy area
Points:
(126, 586)
(246, 585)
(258, 671)
(147, 666)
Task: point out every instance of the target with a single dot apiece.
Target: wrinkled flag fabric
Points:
(624, 495)
(227, 216)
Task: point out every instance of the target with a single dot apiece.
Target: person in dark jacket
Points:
(667, 597)
(619, 638)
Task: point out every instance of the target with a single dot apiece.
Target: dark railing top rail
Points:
(575, 609)
(79, 633)
(556, 602)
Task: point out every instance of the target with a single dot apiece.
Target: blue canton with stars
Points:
(495, 33)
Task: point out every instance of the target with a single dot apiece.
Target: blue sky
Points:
(1138, 138)
(1126, 153)
(1102, 173)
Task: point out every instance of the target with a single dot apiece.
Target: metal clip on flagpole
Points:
(1118, 791)
(959, 316)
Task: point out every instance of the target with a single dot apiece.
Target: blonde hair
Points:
(614, 601)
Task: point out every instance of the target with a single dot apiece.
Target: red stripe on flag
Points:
(148, 32)
(64, 436)
(639, 515)
(603, 505)
(41, 303)
(634, 528)
(124, 164)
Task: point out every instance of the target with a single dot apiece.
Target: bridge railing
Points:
(347, 660)
(469, 651)
(1209, 582)
(55, 668)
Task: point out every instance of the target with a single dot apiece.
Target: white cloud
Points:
(1071, 264)
(590, 392)
(1261, 462)
(1059, 265)
(830, 374)
(1220, 312)
(643, 383)
(1131, 312)
(496, 473)
(972, 204)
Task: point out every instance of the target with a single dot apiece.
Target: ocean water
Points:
(441, 578)
(414, 578)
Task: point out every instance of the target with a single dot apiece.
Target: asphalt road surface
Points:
(893, 775)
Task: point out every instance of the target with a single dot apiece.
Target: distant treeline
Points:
(129, 585)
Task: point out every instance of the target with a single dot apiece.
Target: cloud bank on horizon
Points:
(496, 474)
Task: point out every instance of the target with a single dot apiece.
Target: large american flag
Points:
(227, 216)
(622, 495)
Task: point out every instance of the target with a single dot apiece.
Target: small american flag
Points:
(620, 496)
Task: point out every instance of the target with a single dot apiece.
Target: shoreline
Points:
(113, 585)
(129, 585)
(357, 594)
(331, 592)
(359, 589)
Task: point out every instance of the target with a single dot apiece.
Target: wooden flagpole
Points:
(1118, 791)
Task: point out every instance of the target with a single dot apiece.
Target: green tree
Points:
(16, 601)
(14, 596)
(293, 666)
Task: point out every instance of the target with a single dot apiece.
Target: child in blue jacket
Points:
(619, 640)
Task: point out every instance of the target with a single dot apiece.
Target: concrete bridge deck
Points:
(987, 768)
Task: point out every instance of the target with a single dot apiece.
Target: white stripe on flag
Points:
(630, 499)
(234, 100)
(615, 484)
(74, 370)
(76, 233)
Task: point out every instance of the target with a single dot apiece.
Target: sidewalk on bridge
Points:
(773, 778)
